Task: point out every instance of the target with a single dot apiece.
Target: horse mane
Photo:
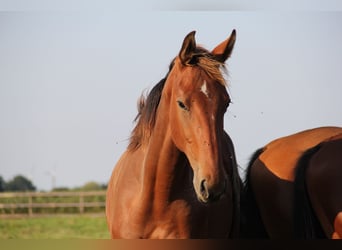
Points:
(148, 104)
(147, 108)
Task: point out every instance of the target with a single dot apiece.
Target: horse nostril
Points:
(204, 189)
(210, 195)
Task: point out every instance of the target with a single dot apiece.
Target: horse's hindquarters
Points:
(273, 199)
(324, 185)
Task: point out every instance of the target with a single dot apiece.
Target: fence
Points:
(34, 204)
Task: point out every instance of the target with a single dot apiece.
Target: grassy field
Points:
(73, 227)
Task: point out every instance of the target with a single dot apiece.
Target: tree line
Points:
(21, 184)
(18, 183)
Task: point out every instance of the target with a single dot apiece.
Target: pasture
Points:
(57, 227)
(53, 215)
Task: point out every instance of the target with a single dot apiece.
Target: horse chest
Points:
(182, 220)
(168, 221)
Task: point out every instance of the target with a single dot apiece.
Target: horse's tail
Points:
(251, 222)
(306, 224)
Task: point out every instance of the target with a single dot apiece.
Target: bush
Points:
(60, 189)
(2, 184)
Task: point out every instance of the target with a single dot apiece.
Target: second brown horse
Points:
(293, 187)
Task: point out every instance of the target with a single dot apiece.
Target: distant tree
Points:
(2, 184)
(91, 186)
(104, 186)
(20, 183)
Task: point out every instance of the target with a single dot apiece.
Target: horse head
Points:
(195, 91)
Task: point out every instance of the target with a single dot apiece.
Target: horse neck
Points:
(159, 167)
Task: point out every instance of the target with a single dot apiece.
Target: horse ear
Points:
(188, 48)
(223, 51)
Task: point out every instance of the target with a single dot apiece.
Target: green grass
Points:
(73, 227)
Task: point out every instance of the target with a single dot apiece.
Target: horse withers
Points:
(293, 187)
(178, 177)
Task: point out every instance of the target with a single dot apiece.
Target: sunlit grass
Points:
(73, 227)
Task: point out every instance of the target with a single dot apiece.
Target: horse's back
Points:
(280, 156)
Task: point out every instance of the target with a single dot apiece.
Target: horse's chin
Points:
(204, 200)
(201, 199)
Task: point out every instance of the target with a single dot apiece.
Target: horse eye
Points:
(182, 105)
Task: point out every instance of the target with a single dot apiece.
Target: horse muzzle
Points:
(212, 193)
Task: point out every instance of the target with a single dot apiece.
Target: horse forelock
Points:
(212, 67)
(148, 104)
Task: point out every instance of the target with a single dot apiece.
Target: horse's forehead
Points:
(193, 80)
(204, 88)
(204, 85)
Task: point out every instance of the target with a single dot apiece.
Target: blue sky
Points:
(69, 81)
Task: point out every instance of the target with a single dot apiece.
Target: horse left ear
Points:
(223, 51)
(188, 48)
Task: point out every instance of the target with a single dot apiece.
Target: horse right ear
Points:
(188, 48)
(223, 51)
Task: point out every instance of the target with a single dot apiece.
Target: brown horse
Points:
(293, 187)
(178, 177)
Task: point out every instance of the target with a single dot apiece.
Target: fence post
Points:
(81, 203)
(30, 205)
